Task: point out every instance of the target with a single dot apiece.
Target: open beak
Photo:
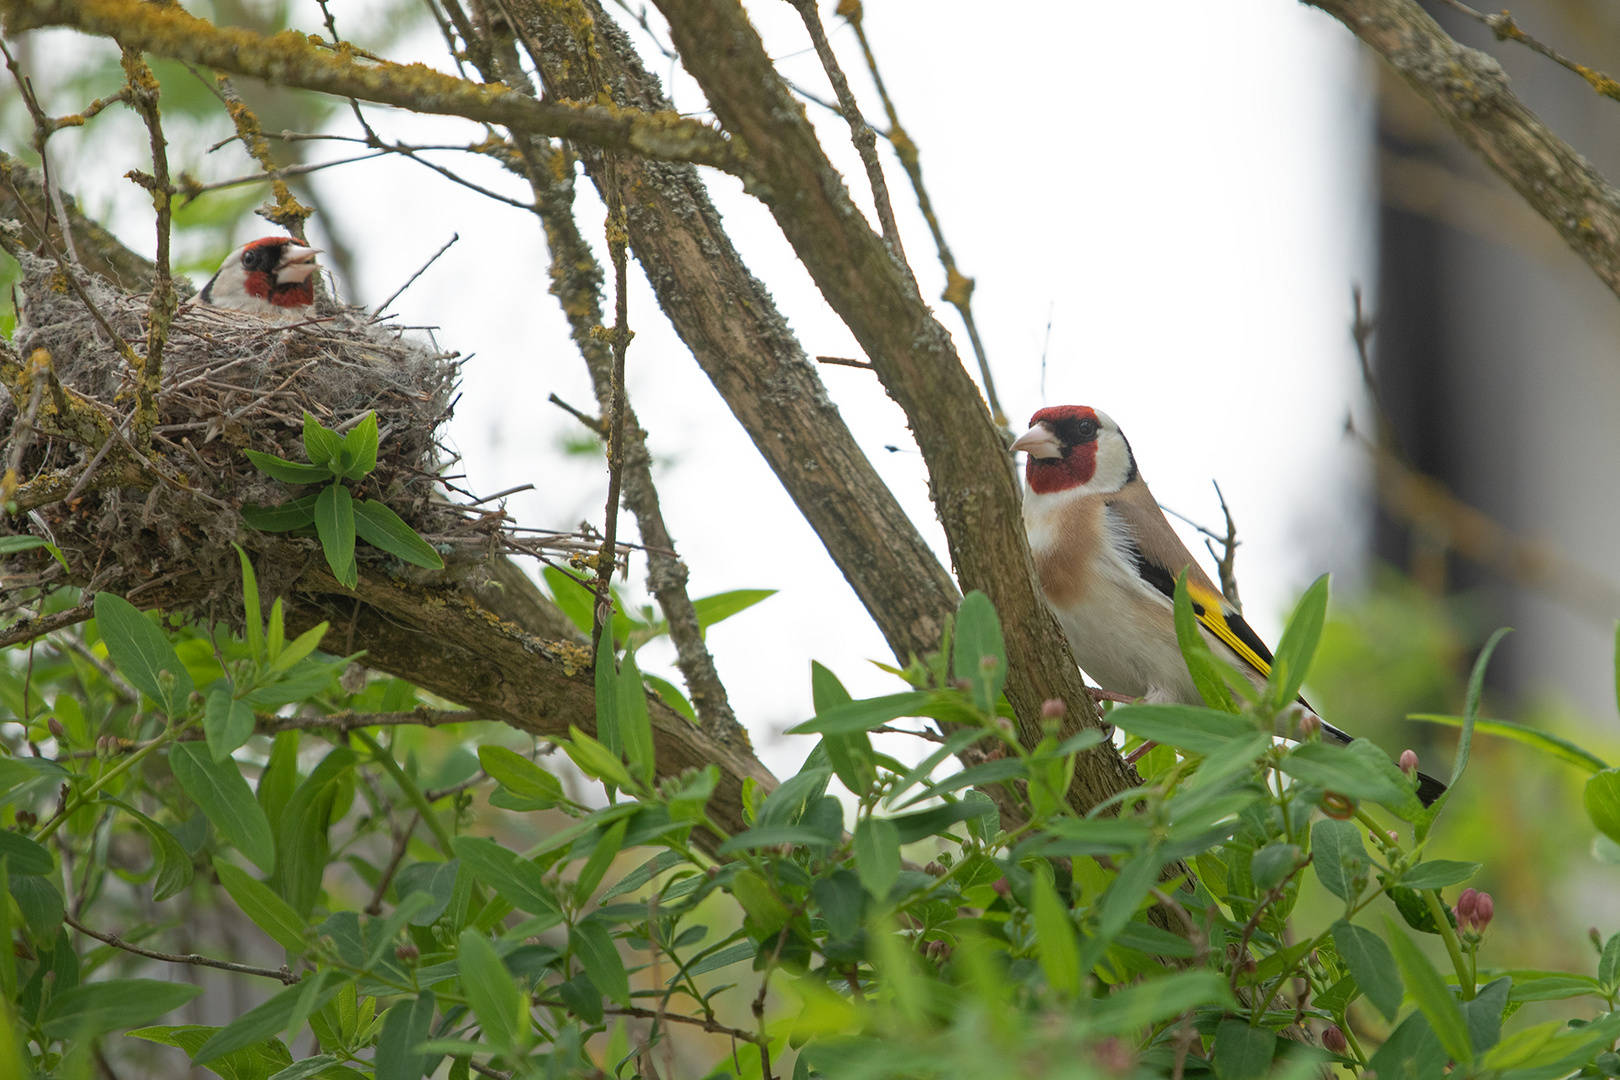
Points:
(297, 263)
(1038, 442)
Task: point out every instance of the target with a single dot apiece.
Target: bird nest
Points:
(129, 514)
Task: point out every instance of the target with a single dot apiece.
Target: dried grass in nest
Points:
(231, 381)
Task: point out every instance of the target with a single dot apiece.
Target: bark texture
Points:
(1470, 91)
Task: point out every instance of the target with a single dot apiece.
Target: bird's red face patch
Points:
(260, 261)
(1076, 428)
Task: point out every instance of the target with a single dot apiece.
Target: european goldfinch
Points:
(272, 275)
(1108, 562)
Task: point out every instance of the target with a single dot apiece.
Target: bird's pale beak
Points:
(296, 264)
(1038, 442)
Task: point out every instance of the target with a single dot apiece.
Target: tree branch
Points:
(975, 494)
(1470, 91)
(291, 59)
(284, 974)
(741, 341)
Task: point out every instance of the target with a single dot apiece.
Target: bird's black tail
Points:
(1428, 788)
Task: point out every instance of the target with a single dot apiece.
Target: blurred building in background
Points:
(1497, 353)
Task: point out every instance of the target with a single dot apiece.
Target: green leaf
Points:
(1555, 988)
(519, 882)
(635, 727)
(863, 715)
(1054, 934)
(1484, 1014)
(320, 443)
(491, 991)
(1186, 727)
(1546, 742)
(310, 1066)
(722, 606)
(602, 856)
(1603, 802)
(259, 902)
(1201, 663)
(573, 598)
(174, 869)
(605, 675)
(334, 524)
(252, 1063)
(41, 905)
(288, 472)
(140, 651)
(1476, 687)
(764, 836)
(1243, 1052)
(1157, 999)
(12, 545)
(526, 781)
(93, 1009)
(1432, 995)
(359, 447)
(24, 856)
(724, 958)
(595, 759)
(253, 615)
(644, 873)
(1336, 768)
(283, 517)
(1373, 965)
(593, 946)
(227, 801)
(1272, 864)
(1438, 873)
(877, 855)
(260, 1023)
(670, 695)
(382, 528)
(979, 656)
(1609, 963)
(1340, 858)
(913, 827)
(1297, 648)
(300, 647)
(405, 1026)
(302, 848)
(227, 722)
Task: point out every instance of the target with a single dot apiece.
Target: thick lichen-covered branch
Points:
(1470, 91)
(975, 494)
(727, 318)
(292, 59)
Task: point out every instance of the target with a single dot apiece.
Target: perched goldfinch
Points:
(1108, 562)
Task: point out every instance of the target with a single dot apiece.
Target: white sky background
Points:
(1184, 189)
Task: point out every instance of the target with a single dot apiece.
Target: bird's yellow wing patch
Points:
(1232, 631)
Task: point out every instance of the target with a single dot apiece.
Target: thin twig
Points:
(45, 624)
(1503, 26)
(958, 287)
(382, 307)
(1228, 557)
(860, 132)
(143, 98)
(840, 361)
(284, 974)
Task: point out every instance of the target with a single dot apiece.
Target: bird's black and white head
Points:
(1078, 449)
(273, 275)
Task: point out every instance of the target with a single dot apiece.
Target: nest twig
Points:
(128, 514)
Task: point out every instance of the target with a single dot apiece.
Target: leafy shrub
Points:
(1154, 936)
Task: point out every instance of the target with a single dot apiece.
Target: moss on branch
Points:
(292, 59)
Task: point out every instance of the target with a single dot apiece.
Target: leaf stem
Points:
(1465, 978)
(112, 774)
(440, 834)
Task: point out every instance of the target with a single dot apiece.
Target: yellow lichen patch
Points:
(1600, 82)
(573, 657)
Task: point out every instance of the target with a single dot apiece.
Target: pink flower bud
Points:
(1309, 725)
(56, 727)
(1466, 906)
(1333, 1040)
(407, 953)
(988, 665)
(1409, 764)
(1484, 909)
(1001, 887)
(1053, 709)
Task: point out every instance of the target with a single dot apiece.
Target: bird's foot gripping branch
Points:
(1022, 937)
